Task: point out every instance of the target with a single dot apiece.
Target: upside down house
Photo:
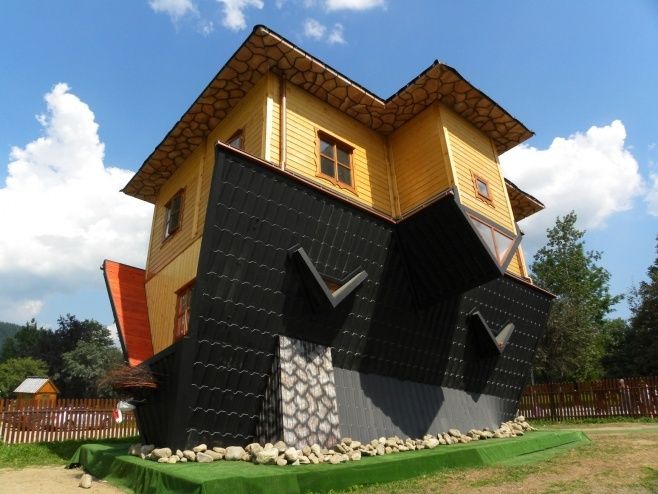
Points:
(324, 262)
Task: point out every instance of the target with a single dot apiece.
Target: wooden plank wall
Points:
(161, 250)
(161, 294)
(635, 397)
(273, 95)
(471, 150)
(173, 262)
(418, 158)
(248, 115)
(67, 419)
(516, 266)
(305, 116)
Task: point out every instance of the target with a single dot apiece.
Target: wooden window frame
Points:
(485, 198)
(337, 143)
(505, 234)
(180, 293)
(167, 234)
(238, 134)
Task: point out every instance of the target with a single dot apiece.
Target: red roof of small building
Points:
(126, 287)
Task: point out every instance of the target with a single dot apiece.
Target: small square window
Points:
(336, 161)
(482, 188)
(173, 216)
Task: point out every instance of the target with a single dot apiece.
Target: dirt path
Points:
(49, 480)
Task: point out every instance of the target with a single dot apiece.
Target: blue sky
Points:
(88, 89)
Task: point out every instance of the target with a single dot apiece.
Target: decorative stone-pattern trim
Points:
(264, 51)
(300, 404)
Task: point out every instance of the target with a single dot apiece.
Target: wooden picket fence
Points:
(62, 420)
(628, 397)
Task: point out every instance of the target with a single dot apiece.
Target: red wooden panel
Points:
(126, 287)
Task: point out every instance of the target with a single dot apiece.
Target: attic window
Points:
(497, 242)
(173, 214)
(482, 189)
(336, 161)
(183, 304)
(236, 140)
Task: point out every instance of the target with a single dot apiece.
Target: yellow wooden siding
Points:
(161, 294)
(173, 262)
(471, 152)
(161, 250)
(248, 115)
(517, 265)
(47, 388)
(306, 115)
(514, 266)
(274, 96)
(418, 158)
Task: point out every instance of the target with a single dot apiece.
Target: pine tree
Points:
(638, 349)
(575, 337)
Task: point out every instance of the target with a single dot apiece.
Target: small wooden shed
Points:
(37, 390)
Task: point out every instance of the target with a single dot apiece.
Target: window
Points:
(482, 189)
(498, 243)
(336, 161)
(173, 214)
(236, 140)
(183, 302)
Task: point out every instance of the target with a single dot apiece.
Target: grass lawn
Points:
(621, 458)
(39, 454)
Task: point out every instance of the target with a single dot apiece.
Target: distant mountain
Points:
(7, 329)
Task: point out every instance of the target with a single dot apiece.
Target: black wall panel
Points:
(398, 323)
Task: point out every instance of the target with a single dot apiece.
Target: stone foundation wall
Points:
(300, 404)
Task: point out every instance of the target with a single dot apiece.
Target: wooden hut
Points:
(39, 391)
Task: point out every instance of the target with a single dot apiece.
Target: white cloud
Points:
(114, 334)
(205, 27)
(20, 310)
(62, 212)
(174, 8)
(353, 4)
(592, 173)
(313, 29)
(336, 35)
(316, 30)
(234, 17)
(652, 195)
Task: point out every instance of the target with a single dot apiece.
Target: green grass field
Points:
(39, 454)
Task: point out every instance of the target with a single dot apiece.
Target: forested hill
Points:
(7, 329)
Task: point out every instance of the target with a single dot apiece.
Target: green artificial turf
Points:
(145, 477)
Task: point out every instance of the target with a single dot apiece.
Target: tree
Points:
(31, 341)
(574, 342)
(616, 359)
(7, 330)
(76, 353)
(636, 350)
(89, 360)
(15, 370)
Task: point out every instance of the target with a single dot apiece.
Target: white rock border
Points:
(347, 450)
